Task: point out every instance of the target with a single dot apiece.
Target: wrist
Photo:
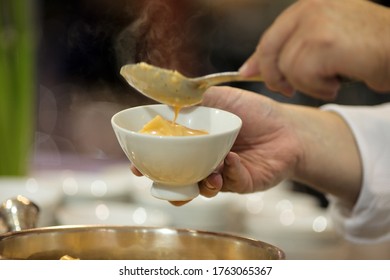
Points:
(329, 160)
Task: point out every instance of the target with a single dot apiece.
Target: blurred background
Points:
(68, 56)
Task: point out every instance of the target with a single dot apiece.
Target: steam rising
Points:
(169, 34)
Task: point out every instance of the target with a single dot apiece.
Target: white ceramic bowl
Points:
(176, 164)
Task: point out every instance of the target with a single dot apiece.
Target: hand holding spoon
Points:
(171, 87)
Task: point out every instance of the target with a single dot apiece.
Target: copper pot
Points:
(129, 242)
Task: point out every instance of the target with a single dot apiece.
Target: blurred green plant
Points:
(17, 84)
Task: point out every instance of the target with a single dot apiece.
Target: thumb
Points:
(250, 67)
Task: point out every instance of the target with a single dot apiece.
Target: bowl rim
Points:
(148, 136)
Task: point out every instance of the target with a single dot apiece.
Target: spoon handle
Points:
(224, 77)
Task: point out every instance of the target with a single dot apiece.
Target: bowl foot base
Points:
(174, 193)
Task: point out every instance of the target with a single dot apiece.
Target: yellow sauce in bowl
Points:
(161, 127)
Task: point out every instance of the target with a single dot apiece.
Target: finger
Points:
(221, 97)
(211, 96)
(271, 45)
(273, 77)
(251, 66)
(273, 40)
(211, 186)
(135, 171)
(322, 88)
(179, 203)
(236, 177)
(270, 71)
(308, 68)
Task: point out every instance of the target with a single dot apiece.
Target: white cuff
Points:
(369, 220)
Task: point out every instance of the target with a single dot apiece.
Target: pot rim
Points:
(164, 230)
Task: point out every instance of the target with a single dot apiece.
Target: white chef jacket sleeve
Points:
(369, 219)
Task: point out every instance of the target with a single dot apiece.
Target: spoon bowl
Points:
(172, 88)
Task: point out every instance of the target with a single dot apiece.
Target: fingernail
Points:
(287, 89)
(243, 69)
(249, 68)
(231, 160)
(209, 186)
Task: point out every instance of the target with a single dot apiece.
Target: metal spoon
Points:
(171, 87)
